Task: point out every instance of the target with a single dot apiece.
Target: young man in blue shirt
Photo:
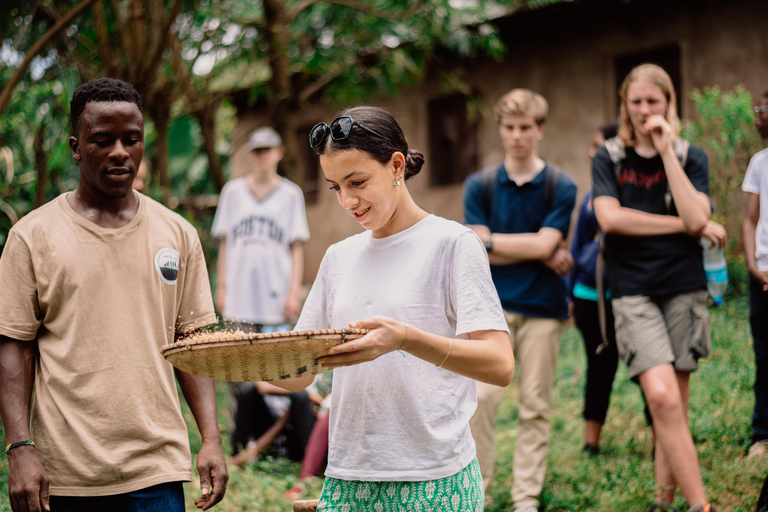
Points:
(522, 211)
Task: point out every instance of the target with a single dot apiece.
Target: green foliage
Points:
(357, 52)
(219, 48)
(619, 479)
(41, 105)
(724, 128)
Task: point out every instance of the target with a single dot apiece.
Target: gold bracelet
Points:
(450, 346)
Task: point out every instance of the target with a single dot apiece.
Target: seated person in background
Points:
(265, 412)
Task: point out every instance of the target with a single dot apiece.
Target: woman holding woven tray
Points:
(403, 393)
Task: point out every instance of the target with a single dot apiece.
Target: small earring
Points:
(397, 181)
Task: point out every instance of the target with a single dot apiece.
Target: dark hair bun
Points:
(414, 160)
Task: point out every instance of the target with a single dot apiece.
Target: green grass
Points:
(620, 479)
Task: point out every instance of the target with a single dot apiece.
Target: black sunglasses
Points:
(339, 130)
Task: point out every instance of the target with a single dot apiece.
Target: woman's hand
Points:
(386, 335)
(716, 233)
(661, 133)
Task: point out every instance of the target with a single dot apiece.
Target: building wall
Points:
(568, 55)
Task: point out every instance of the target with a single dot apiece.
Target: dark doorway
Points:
(452, 140)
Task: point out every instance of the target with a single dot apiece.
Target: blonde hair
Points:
(522, 102)
(655, 75)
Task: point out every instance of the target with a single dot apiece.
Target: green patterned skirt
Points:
(462, 492)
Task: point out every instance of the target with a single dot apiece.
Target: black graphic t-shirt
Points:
(650, 265)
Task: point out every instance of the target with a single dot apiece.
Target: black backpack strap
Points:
(488, 183)
(551, 180)
(617, 152)
(602, 317)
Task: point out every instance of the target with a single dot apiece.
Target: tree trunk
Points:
(41, 162)
(291, 163)
(278, 36)
(160, 112)
(206, 116)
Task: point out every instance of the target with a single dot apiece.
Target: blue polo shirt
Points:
(529, 287)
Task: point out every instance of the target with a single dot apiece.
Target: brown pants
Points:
(535, 343)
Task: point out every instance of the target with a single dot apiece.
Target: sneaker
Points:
(758, 450)
(525, 509)
(591, 450)
(702, 508)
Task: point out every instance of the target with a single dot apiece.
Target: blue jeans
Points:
(167, 497)
(758, 309)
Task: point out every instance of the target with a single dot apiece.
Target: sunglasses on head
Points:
(339, 130)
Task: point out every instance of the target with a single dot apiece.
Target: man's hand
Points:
(213, 474)
(716, 233)
(292, 308)
(561, 262)
(661, 133)
(761, 278)
(27, 481)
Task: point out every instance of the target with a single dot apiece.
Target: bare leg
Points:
(665, 480)
(592, 430)
(675, 453)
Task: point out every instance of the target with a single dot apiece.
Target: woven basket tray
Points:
(256, 357)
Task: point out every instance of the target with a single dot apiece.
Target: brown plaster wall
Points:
(721, 43)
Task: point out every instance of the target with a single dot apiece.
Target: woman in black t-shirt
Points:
(653, 208)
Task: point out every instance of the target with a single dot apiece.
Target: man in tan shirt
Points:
(92, 284)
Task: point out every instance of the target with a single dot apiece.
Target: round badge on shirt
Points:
(167, 264)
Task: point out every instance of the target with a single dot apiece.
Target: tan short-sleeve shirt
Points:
(101, 303)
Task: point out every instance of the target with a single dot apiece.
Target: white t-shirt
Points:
(756, 182)
(259, 236)
(400, 418)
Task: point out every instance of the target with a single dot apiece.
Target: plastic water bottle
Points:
(716, 270)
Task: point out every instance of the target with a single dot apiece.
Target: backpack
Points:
(617, 152)
(488, 183)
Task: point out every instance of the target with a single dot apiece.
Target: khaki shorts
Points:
(662, 329)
